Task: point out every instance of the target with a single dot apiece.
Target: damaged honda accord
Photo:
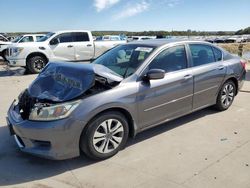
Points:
(94, 108)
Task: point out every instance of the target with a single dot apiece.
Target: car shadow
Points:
(12, 71)
(17, 167)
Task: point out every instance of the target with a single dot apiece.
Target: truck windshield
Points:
(125, 59)
(46, 37)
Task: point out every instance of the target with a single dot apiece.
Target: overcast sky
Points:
(129, 15)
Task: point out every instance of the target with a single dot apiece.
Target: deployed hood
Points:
(60, 82)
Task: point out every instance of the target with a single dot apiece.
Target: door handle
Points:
(89, 45)
(69, 46)
(188, 76)
(221, 67)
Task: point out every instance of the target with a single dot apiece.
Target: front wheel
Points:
(105, 136)
(226, 96)
(36, 64)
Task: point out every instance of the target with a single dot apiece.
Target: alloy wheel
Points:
(39, 65)
(108, 136)
(227, 95)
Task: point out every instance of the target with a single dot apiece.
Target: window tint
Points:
(201, 54)
(65, 37)
(80, 37)
(27, 39)
(171, 59)
(217, 54)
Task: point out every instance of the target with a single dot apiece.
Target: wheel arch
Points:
(126, 113)
(33, 54)
(235, 81)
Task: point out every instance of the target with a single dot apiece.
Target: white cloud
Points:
(103, 4)
(132, 9)
(172, 3)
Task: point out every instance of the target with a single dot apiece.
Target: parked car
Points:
(139, 38)
(77, 45)
(4, 42)
(111, 37)
(95, 107)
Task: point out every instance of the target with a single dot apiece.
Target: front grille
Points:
(9, 52)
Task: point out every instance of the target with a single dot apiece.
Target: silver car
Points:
(95, 107)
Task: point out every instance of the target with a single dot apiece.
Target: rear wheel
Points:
(226, 95)
(36, 64)
(105, 136)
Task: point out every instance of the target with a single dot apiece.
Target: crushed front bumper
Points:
(54, 139)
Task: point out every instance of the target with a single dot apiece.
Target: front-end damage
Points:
(53, 95)
(60, 85)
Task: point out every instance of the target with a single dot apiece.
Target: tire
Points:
(226, 96)
(105, 136)
(36, 64)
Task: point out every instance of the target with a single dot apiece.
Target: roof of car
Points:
(161, 42)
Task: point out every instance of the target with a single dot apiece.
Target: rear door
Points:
(83, 45)
(208, 71)
(64, 50)
(170, 97)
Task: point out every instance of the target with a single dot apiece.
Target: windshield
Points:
(17, 39)
(46, 37)
(125, 59)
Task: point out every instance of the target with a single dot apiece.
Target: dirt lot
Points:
(204, 149)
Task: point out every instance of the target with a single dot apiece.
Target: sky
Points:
(128, 15)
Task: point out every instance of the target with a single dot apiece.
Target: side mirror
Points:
(155, 74)
(54, 41)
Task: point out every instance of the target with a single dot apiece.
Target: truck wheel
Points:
(36, 64)
(105, 135)
(226, 96)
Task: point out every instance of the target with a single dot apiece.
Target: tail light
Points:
(243, 64)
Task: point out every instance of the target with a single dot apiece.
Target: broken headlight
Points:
(53, 112)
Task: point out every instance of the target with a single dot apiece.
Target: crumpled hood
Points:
(59, 82)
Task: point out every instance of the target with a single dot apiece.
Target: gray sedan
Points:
(95, 108)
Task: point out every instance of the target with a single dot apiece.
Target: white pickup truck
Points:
(75, 45)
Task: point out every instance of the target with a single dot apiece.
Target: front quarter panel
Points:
(122, 96)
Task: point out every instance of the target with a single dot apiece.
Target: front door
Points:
(170, 97)
(64, 50)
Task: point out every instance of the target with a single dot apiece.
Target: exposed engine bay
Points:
(59, 83)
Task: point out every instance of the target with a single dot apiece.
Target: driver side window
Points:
(171, 59)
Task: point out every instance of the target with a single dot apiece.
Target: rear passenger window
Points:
(201, 54)
(217, 54)
(80, 37)
(171, 59)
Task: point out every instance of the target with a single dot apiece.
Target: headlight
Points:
(16, 51)
(54, 112)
